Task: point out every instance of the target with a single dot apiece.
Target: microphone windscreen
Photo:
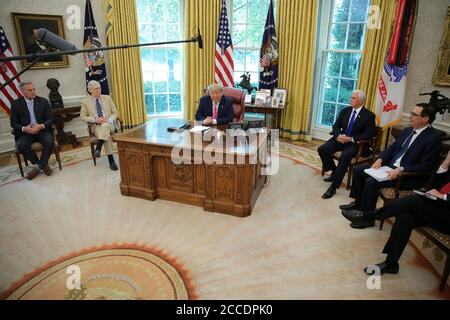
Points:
(54, 40)
(199, 39)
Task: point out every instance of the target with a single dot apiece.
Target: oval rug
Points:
(114, 274)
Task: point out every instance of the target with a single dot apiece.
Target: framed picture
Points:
(25, 25)
(441, 76)
(275, 102)
(280, 94)
(260, 98)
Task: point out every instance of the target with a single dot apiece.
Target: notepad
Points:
(199, 129)
(424, 194)
(379, 174)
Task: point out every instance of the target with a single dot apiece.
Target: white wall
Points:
(72, 78)
(424, 53)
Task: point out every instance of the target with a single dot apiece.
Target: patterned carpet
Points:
(294, 245)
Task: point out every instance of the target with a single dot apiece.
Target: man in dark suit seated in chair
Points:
(415, 211)
(415, 150)
(353, 124)
(215, 108)
(32, 120)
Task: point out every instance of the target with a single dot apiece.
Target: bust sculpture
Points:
(54, 97)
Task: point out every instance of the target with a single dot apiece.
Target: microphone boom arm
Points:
(39, 56)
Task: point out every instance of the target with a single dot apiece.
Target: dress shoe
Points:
(113, 166)
(353, 215)
(47, 170)
(33, 173)
(331, 191)
(97, 153)
(367, 223)
(329, 179)
(384, 268)
(350, 206)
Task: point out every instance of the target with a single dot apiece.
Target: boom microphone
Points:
(199, 39)
(54, 40)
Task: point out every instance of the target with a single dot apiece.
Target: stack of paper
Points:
(379, 174)
(199, 129)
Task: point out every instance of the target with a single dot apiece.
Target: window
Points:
(162, 66)
(341, 57)
(248, 19)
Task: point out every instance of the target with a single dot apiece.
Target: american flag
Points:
(224, 65)
(7, 71)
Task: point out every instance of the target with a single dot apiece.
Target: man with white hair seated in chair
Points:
(100, 110)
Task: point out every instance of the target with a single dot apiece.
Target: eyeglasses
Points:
(413, 114)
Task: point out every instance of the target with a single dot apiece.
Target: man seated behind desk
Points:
(215, 108)
(101, 111)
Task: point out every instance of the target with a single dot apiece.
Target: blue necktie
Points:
(31, 111)
(403, 149)
(99, 108)
(348, 132)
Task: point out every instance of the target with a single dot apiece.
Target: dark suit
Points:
(415, 211)
(224, 114)
(363, 129)
(421, 156)
(20, 117)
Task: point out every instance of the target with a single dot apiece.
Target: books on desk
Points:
(379, 174)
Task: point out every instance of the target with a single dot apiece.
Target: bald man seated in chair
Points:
(100, 110)
(214, 108)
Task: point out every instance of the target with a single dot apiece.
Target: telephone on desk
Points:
(183, 127)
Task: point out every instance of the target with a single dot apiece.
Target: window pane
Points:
(173, 32)
(330, 89)
(149, 103)
(172, 11)
(358, 10)
(175, 102)
(338, 34)
(161, 86)
(239, 35)
(252, 60)
(156, 11)
(148, 87)
(158, 33)
(341, 8)
(350, 65)
(334, 64)
(355, 34)
(161, 103)
(145, 33)
(254, 35)
(239, 10)
(345, 90)
(174, 86)
(328, 114)
(239, 60)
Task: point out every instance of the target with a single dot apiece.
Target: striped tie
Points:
(99, 108)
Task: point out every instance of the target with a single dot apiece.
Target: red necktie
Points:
(445, 189)
(215, 111)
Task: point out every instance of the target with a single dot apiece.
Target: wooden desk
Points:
(147, 170)
(275, 113)
(62, 115)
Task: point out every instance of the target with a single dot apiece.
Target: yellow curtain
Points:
(199, 66)
(297, 28)
(126, 72)
(375, 49)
